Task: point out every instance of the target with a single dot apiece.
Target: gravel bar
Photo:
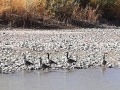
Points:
(86, 46)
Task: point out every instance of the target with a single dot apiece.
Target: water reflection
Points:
(103, 69)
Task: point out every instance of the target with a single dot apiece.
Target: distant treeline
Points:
(29, 12)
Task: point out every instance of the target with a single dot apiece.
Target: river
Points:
(83, 79)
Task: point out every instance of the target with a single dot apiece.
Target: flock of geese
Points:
(71, 64)
(48, 65)
(69, 61)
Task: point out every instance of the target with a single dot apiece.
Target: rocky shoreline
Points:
(86, 46)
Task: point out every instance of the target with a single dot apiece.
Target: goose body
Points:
(50, 61)
(27, 63)
(70, 61)
(45, 66)
(104, 62)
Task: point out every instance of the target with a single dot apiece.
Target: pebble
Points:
(86, 46)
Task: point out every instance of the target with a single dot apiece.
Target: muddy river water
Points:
(86, 79)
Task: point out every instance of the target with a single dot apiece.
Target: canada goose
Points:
(104, 61)
(27, 63)
(50, 61)
(43, 65)
(70, 61)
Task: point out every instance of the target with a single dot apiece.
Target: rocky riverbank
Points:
(86, 46)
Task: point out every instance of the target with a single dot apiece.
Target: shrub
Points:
(88, 14)
(21, 12)
(108, 7)
(26, 12)
(63, 10)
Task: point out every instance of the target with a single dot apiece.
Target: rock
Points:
(110, 66)
(86, 46)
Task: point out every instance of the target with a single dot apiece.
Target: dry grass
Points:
(89, 14)
(110, 8)
(22, 12)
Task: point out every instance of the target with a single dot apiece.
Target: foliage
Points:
(108, 7)
(22, 12)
